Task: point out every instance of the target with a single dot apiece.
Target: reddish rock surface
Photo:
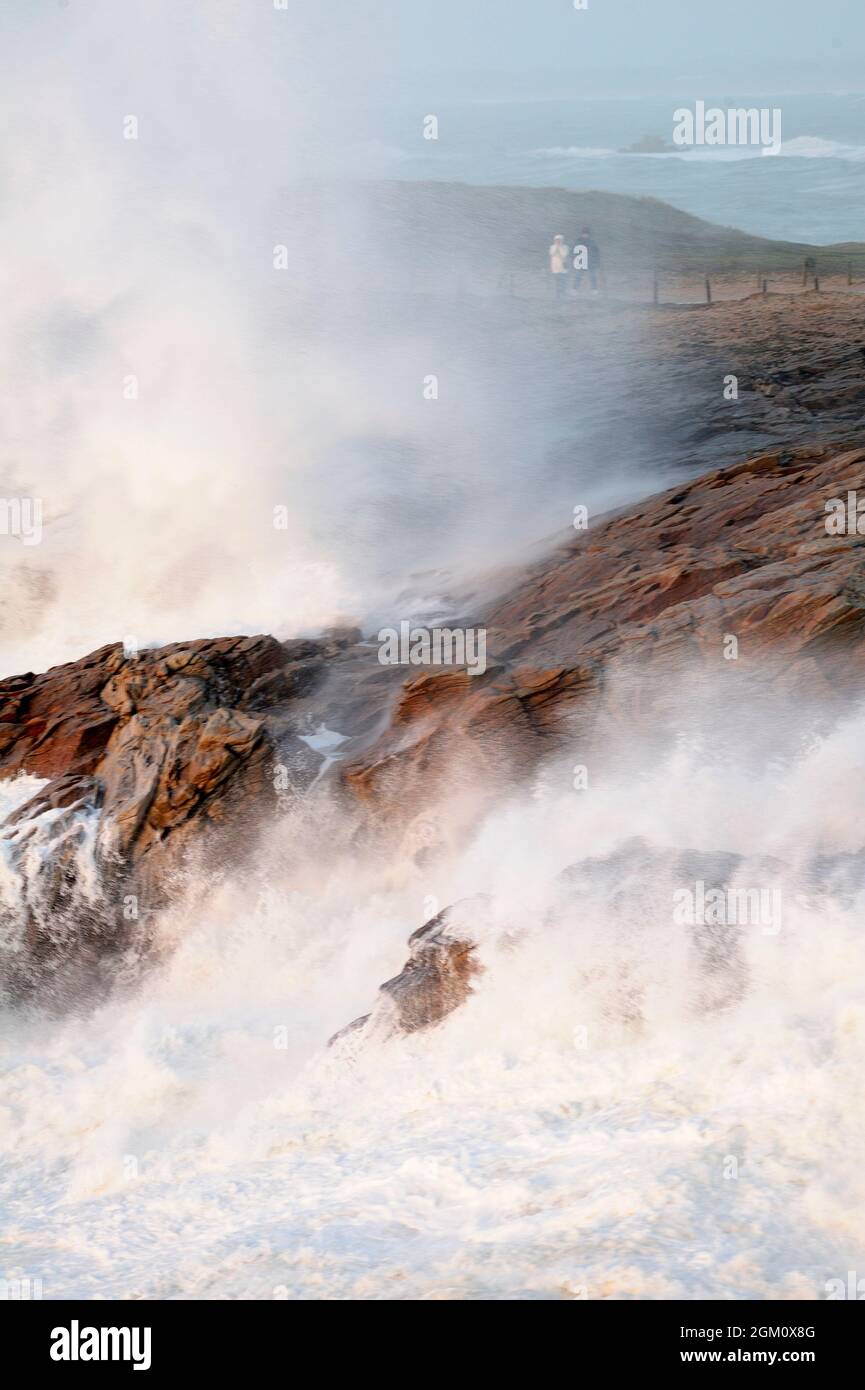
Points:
(173, 748)
(435, 980)
(177, 746)
(161, 732)
(654, 589)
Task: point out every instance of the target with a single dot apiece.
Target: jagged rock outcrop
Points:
(654, 589)
(626, 915)
(175, 748)
(147, 756)
(436, 979)
(628, 896)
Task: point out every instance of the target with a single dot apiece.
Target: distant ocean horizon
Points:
(812, 189)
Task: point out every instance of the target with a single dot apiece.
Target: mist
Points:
(258, 384)
(606, 1071)
(218, 359)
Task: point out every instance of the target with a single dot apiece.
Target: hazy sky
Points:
(763, 40)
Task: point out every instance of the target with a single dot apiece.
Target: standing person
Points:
(587, 261)
(559, 253)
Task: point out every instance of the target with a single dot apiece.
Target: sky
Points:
(150, 258)
(786, 42)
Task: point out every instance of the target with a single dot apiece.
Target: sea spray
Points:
(584, 1121)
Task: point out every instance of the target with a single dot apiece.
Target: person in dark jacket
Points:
(586, 261)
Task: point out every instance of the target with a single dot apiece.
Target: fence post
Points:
(708, 290)
(765, 286)
(849, 272)
(817, 283)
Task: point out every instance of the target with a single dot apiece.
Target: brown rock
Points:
(165, 748)
(436, 978)
(652, 589)
(175, 748)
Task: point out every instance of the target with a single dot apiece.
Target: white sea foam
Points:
(29, 846)
(573, 152)
(199, 1139)
(801, 147)
(195, 1137)
(814, 147)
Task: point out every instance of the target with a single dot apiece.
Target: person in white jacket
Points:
(560, 265)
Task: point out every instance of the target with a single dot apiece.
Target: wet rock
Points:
(653, 589)
(436, 979)
(174, 750)
(167, 752)
(631, 899)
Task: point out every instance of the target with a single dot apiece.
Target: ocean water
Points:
(552, 1139)
(585, 1126)
(812, 190)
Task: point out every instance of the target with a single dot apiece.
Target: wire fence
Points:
(670, 288)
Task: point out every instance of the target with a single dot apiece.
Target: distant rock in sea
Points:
(650, 144)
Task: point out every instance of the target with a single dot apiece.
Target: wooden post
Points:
(655, 288)
(817, 283)
(708, 290)
(765, 286)
(849, 272)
